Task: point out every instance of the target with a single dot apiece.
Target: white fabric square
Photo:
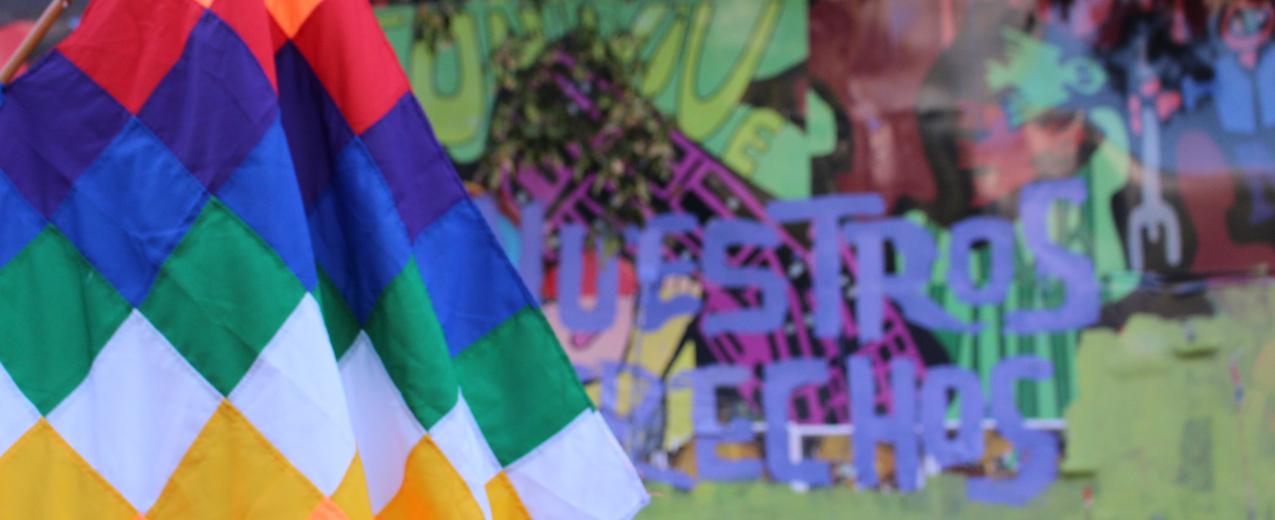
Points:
(17, 414)
(293, 396)
(137, 412)
(384, 427)
(580, 472)
(458, 437)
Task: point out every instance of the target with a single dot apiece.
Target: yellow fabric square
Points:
(291, 14)
(351, 494)
(431, 488)
(505, 504)
(41, 476)
(231, 471)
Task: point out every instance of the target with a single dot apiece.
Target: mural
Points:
(961, 258)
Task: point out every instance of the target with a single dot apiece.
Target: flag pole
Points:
(42, 26)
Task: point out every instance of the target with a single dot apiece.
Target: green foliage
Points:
(566, 107)
(537, 124)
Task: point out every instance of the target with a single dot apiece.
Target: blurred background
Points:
(1124, 149)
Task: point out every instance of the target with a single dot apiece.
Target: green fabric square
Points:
(409, 340)
(57, 313)
(342, 326)
(520, 385)
(221, 296)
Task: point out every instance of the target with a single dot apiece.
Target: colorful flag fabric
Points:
(239, 278)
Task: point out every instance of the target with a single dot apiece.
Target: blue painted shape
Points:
(679, 480)
(1076, 272)
(214, 105)
(358, 239)
(722, 234)
(1233, 93)
(907, 285)
(709, 433)
(1265, 78)
(651, 270)
(781, 379)
(967, 446)
(824, 213)
(1037, 450)
(129, 210)
(897, 428)
(531, 249)
(570, 274)
(263, 192)
(469, 278)
(20, 224)
(999, 235)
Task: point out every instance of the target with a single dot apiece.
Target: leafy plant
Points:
(566, 108)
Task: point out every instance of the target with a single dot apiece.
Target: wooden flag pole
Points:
(24, 50)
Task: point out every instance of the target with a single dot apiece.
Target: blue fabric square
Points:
(20, 222)
(55, 122)
(315, 126)
(358, 238)
(130, 209)
(464, 267)
(263, 192)
(214, 105)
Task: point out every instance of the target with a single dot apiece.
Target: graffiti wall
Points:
(953, 258)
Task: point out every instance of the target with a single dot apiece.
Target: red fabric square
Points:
(250, 20)
(277, 37)
(127, 46)
(349, 53)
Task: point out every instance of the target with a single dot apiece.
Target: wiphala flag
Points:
(239, 278)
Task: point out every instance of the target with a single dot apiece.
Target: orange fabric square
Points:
(327, 510)
(291, 14)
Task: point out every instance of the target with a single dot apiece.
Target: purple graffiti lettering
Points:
(824, 213)
(1037, 450)
(1075, 271)
(897, 428)
(781, 379)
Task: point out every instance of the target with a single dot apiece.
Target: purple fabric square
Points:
(317, 132)
(44, 147)
(419, 173)
(214, 105)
